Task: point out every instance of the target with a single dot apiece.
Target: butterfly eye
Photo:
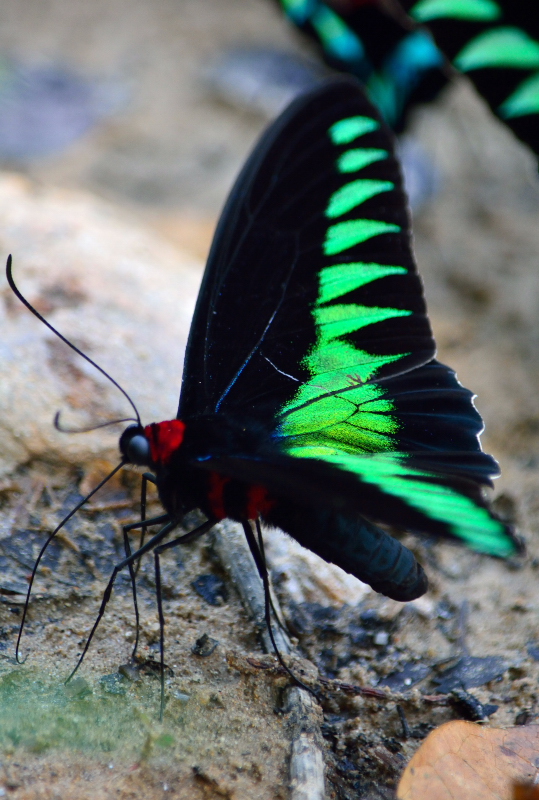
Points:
(138, 450)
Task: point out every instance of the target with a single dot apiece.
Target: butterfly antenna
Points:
(36, 313)
(63, 429)
(42, 552)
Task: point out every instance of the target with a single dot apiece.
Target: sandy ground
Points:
(167, 158)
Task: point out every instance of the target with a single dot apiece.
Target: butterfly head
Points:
(152, 446)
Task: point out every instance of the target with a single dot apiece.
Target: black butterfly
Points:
(311, 399)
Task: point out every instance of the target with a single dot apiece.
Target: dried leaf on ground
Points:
(464, 761)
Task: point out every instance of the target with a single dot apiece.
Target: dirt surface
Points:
(169, 157)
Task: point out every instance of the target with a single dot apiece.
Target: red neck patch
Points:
(164, 439)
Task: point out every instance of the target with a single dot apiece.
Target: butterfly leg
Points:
(187, 537)
(261, 565)
(153, 542)
(143, 524)
(42, 552)
(146, 479)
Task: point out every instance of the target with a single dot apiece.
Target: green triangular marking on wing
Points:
(465, 519)
(337, 320)
(523, 101)
(471, 10)
(357, 158)
(345, 235)
(339, 279)
(353, 194)
(346, 130)
(501, 47)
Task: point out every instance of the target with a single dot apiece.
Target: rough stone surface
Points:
(117, 291)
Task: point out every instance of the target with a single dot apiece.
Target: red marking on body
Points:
(258, 502)
(216, 498)
(164, 439)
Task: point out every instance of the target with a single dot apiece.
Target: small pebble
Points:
(130, 672)
(204, 646)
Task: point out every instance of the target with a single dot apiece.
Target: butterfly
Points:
(405, 52)
(311, 398)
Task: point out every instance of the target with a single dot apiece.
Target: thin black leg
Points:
(42, 552)
(150, 545)
(146, 478)
(143, 524)
(267, 600)
(263, 557)
(157, 552)
(132, 575)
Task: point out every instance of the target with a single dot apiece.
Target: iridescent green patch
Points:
(346, 130)
(471, 10)
(523, 101)
(354, 194)
(358, 158)
(389, 472)
(345, 235)
(335, 35)
(501, 47)
(338, 320)
(340, 279)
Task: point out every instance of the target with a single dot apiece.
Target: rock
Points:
(119, 292)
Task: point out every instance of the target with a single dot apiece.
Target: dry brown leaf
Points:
(464, 761)
(525, 791)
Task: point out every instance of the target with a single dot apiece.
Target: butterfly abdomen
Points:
(229, 498)
(355, 545)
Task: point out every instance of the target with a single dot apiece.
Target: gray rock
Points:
(117, 291)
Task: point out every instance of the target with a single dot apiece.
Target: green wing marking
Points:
(496, 47)
(523, 101)
(356, 159)
(346, 130)
(340, 279)
(466, 520)
(471, 10)
(340, 415)
(337, 368)
(500, 47)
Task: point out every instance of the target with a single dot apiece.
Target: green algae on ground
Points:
(39, 712)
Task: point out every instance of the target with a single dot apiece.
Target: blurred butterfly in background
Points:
(405, 52)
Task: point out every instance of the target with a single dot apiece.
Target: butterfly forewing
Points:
(311, 263)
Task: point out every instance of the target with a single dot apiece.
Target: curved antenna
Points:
(49, 540)
(92, 428)
(25, 302)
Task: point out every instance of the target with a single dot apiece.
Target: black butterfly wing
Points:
(427, 478)
(376, 42)
(319, 202)
(402, 51)
(311, 325)
(496, 44)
